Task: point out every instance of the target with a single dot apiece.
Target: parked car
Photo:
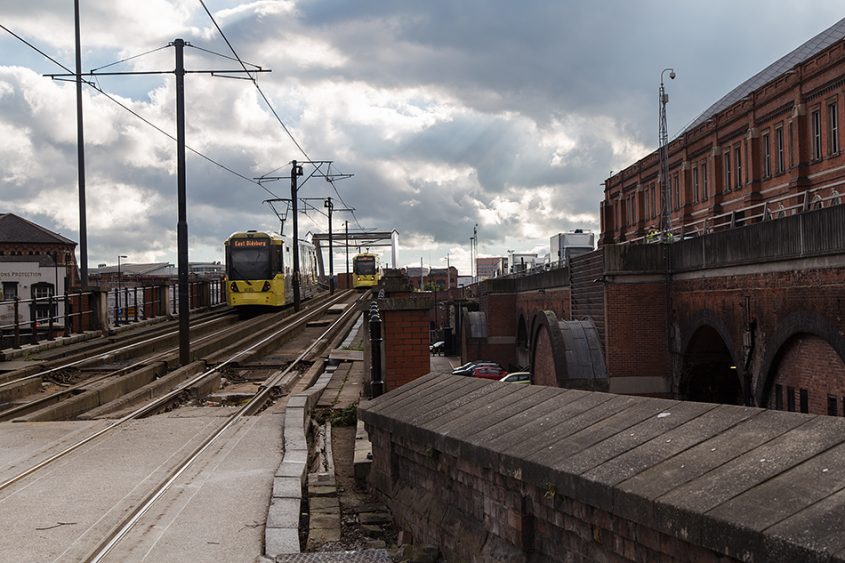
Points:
(438, 347)
(487, 371)
(517, 377)
(467, 368)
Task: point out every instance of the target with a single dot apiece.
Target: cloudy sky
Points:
(504, 114)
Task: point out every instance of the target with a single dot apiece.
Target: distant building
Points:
(35, 263)
(522, 262)
(566, 245)
(417, 276)
(443, 278)
(464, 281)
(494, 267)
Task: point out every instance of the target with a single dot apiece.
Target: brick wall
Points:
(405, 346)
(775, 312)
(494, 472)
(636, 333)
(809, 364)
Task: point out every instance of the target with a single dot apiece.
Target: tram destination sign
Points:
(250, 243)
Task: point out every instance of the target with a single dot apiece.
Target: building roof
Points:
(16, 230)
(806, 51)
(150, 269)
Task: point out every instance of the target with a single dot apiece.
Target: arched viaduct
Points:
(748, 316)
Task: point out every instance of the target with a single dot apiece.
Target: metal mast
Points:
(665, 199)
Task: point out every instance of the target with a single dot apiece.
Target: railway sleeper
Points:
(100, 393)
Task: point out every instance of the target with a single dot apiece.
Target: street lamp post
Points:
(117, 295)
(665, 213)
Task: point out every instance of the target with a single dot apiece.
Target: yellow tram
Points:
(259, 270)
(365, 271)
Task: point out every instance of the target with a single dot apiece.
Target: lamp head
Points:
(672, 75)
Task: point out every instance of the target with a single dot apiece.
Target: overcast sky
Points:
(449, 113)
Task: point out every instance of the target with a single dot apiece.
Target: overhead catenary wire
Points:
(131, 58)
(269, 105)
(130, 110)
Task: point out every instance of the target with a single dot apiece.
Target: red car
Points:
(489, 372)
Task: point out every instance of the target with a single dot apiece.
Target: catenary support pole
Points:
(182, 225)
(80, 156)
(295, 238)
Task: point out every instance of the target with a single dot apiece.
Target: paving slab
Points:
(375, 406)
(446, 389)
(758, 465)
(659, 420)
(283, 513)
(671, 443)
(570, 418)
(280, 541)
(710, 454)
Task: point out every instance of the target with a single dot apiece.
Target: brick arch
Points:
(793, 325)
(703, 320)
(566, 353)
(545, 345)
(707, 318)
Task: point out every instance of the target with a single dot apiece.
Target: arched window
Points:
(817, 202)
(781, 212)
(835, 198)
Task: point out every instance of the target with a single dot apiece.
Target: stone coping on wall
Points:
(750, 483)
(424, 301)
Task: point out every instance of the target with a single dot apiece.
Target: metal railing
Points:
(770, 209)
(29, 321)
(21, 322)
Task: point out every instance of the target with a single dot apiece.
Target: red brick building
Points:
(770, 148)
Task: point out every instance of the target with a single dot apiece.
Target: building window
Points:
(779, 150)
(767, 155)
(790, 399)
(10, 291)
(832, 130)
(805, 401)
(653, 200)
(41, 310)
(779, 397)
(695, 184)
(726, 185)
(832, 408)
(704, 180)
(677, 186)
(816, 124)
(646, 202)
(738, 163)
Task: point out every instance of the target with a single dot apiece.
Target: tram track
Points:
(163, 401)
(70, 535)
(211, 340)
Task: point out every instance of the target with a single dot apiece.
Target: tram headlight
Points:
(234, 287)
(266, 286)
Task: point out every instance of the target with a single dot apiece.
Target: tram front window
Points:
(365, 267)
(250, 264)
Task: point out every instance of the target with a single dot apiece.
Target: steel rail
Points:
(28, 407)
(159, 401)
(106, 355)
(258, 399)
